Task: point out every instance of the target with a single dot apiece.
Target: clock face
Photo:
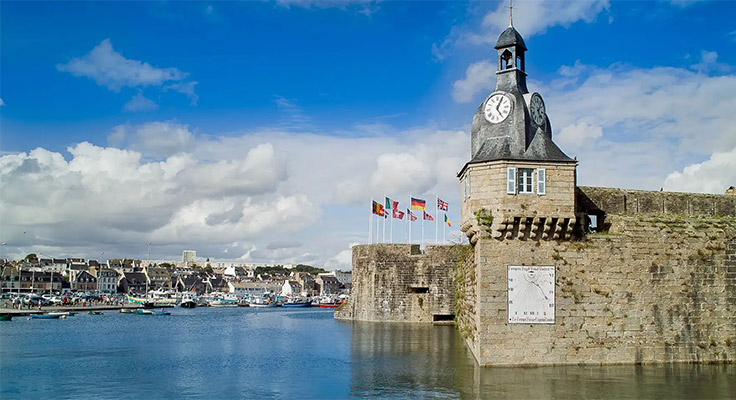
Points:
(531, 294)
(497, 108)
(536, 107)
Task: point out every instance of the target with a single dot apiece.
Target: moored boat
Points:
(188, 301)
(46, 316)
(297, 302)
(6, 317)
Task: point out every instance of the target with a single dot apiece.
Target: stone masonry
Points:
(654, 288)
(399, 283)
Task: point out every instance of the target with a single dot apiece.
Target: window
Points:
(541, 181)
(524, 183)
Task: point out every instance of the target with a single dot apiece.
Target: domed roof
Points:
(510, 37)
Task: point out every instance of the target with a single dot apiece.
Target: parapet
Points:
(598, 200)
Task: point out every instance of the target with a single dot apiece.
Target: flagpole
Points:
(444, 228)
(408, 220)
(436, 220)
(423, 212)
(384, 221)
(370, 224)
(391, 239)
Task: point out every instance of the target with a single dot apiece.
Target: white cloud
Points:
(714, 175)
(140, 103)
(109, 68)
(709, 63)
(244, 191)
(2, 103)
(531, 17)
(155, 139)
(578, 135)
(480, 77)
(186, 88)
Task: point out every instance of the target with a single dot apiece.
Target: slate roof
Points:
(510, 37)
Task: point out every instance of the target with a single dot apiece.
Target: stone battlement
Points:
(631, 202)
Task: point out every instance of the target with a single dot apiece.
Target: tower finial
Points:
(511, 12)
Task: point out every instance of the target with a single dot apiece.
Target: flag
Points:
(395, 205)
(377, 208)
(418, 204)
(385, 213)
(398, 214)
(441, 204)
(388, 203)
(447, 221)
(411, 216)
(427, 216)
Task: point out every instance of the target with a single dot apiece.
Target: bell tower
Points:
(517, 180)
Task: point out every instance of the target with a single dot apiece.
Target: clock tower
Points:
(518, 184)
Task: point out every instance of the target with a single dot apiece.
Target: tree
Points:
(32, 258)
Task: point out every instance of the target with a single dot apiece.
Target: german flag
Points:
(377, 209)
(418, 204)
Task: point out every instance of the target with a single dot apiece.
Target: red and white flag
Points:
(411, 216)
(427, 216)
(398, 214)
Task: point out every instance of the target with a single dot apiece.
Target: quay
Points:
(16, 313)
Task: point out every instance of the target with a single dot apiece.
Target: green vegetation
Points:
(484, 218)
(32, 258)
(280, 270)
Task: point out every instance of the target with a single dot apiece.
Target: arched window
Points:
(507, 60)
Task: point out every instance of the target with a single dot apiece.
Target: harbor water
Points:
(298, 354)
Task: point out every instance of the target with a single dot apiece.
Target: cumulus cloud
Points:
(530, 18)
(111, 69)
(578, 135)
(140, 103)
(714, 175)
(154, 139)
(480, 77)
(264, 195)
(630, 127)
(534, 17)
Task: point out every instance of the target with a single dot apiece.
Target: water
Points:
(297, 354)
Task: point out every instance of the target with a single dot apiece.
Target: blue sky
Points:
(202, 118)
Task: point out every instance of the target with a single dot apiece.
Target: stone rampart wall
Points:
(632, 202)
(399, 283)
(655, 288)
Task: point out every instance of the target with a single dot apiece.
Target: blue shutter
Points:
(511, 180)
(541, 181)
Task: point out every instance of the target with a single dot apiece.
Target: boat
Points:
(127, 311)
(297, 302)
(152, 312)
(330, 305)
(65, 314)
(221, 303)
(46, 316)
(266, 301)
(188, 300)
(95, 313)
(149, 302)
(6, 317)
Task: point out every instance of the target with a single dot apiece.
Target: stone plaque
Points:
(531, 294)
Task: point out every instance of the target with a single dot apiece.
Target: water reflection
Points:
(422, 361)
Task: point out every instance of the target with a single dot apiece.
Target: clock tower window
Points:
(525, 180)
(507, 61)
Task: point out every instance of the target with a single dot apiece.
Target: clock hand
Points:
(497, 106)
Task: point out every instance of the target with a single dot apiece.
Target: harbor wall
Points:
(400, 283)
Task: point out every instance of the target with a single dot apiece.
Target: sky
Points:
(259, 131)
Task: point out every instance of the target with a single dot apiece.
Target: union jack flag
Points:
(441, 204)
